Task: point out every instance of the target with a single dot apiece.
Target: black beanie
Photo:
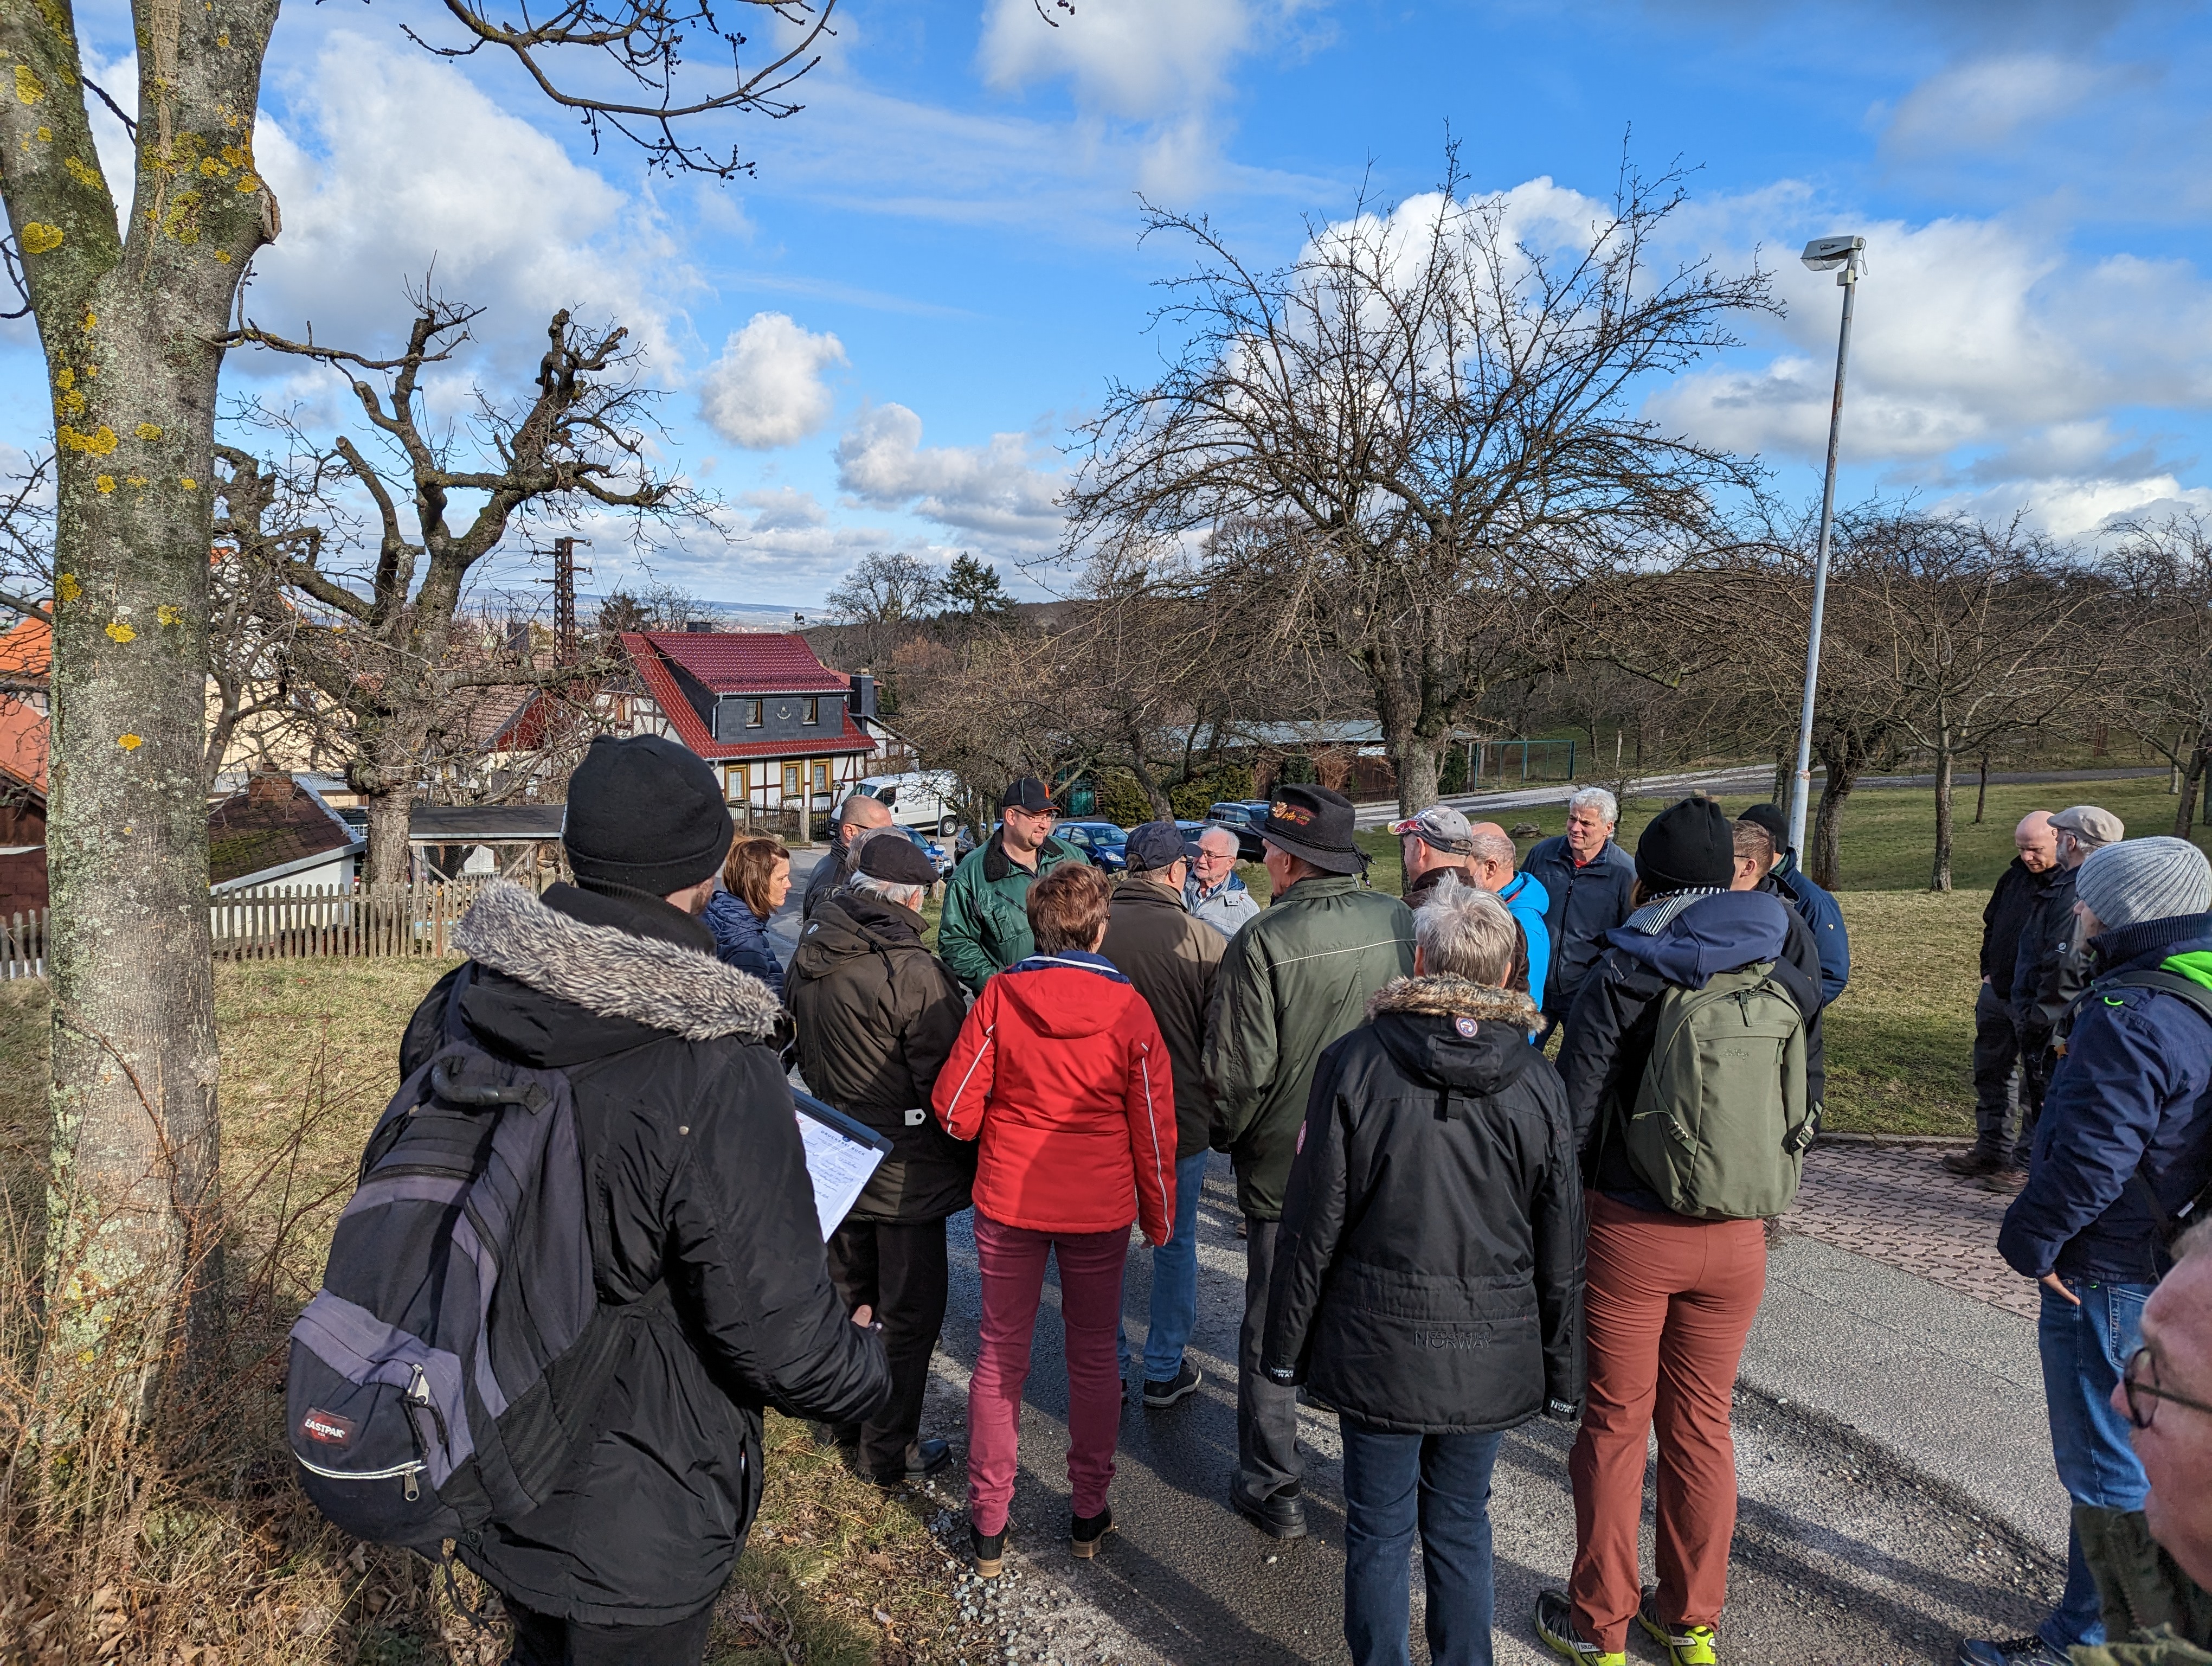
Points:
(648, 814)
(1687, 845)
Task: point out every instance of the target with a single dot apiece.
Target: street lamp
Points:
(1823, 255)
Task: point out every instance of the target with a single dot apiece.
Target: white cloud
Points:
(1985, 101)
(766, 390)
(992, 489)
(784, 508)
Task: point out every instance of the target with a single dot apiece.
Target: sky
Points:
(883, 339)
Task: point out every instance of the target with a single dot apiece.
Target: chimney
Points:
(268, 787)
(864, 695)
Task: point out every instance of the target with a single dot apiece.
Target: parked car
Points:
(1102, 841)
(920, 798)
(1243, 817)
(939, 854)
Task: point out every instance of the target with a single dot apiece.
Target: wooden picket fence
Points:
(291, 923)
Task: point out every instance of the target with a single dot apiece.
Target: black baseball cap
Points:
(1158, 845)
(895, 858)
(1026, 794)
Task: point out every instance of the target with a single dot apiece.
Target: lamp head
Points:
(1825, 254)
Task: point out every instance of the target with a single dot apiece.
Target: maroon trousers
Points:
(1668, 1305)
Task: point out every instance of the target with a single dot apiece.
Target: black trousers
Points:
(2037, 1061)
(1268, 1459)
(898, 1268)
(541, 1641)
(1996, 1052)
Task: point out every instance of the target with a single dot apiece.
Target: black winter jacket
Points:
(1429, 1276)
(2049, 969)
(696, 1179)
(1679, 940)
(2004, 918)
(877, 1014)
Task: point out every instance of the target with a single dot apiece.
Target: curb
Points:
(1842, 1139)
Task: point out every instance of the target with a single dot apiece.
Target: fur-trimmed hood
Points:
(615, 974)
(1448, 995)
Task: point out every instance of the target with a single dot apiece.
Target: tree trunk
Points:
(1417, 777)
(1783, 772)
(130, 331)
(1982, 792)
(2184, 813)
(1939, 878)
(387, 849)
(1841, 775)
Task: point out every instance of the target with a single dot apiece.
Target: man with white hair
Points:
(1214, 893)
(877, 1014)
(1587, 879)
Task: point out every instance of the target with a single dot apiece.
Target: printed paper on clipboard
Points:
(841, 1155)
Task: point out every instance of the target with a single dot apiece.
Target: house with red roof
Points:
(786, 733)
(26, 658)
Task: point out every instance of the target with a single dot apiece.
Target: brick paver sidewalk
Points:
(1896, 1204)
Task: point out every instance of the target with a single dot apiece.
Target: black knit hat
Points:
(1769, 817)
(1687, 845)
(892, 856)
(646, 814)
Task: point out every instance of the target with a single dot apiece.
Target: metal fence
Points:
(291, 923)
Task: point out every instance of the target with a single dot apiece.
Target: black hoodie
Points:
(703, 1221)
(1429, 1277)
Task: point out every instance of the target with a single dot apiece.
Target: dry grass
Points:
(1900, 1040)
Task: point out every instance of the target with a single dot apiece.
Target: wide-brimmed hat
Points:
(1314, 825)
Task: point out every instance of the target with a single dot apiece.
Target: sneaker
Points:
(989, 1551)
(923, 1458)
(1685, 1645)
(1974, 1162)
(1279, 1515)
(2011, 1652)
(1555, 1624)
(1159, 1396)
(1085, 1532)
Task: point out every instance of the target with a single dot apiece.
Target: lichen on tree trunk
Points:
(131, 324)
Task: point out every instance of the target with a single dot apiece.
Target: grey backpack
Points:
(458, 1350)
(1720, 1124)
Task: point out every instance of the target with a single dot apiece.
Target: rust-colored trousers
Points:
(1669, 1306)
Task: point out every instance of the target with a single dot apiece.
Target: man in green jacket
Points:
(1295, 979)
(985, 927)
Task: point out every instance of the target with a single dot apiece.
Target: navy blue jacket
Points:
(2135, 1081)
(2051, 964)
(741, 939)
(1586, 903)
(1818, 909)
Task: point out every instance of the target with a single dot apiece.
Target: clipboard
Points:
(841, 1156)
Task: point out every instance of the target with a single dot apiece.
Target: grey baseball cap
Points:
(1439, 825)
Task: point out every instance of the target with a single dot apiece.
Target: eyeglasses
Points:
(2143, 1393)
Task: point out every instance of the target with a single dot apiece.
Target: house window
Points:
(791, 778)
(752, 713)
(820, 777)
(813, 712)
(737, 780)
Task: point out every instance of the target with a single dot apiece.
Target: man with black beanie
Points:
(1670, 1295)
(703, 1227)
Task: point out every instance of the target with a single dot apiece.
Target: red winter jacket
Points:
(1061, 1072)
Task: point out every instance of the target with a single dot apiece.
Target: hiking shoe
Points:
(1555, 1624)
(1279, 1515)
(2006, 1181)
(1085, 1532)
(1159, 1396)
(1974, 1162)
(989, 1551)
(1685, 1645)
(923, 1458)
(2011, 1652)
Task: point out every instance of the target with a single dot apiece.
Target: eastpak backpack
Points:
(1721, 1123)
(454, 1358)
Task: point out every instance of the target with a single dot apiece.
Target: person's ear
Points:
(1421, 962)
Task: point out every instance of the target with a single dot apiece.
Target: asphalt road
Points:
(1842, 1555)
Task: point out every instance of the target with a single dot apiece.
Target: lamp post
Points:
(1823, 255)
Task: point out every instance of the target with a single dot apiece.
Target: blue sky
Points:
(882, 341)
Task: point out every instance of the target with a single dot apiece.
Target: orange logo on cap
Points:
(1294, 814)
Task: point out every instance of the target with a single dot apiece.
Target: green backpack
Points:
(1720, 1124)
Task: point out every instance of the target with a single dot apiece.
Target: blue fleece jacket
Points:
(1818, 909)
(1526, 900)
(741, 939)
(2134, 1091)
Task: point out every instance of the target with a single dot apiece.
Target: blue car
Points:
(1102, 841)
(939, 857)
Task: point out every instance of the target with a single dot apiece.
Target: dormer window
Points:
(813, 712)
(752, 713)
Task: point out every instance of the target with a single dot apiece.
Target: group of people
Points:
(1446, 1233)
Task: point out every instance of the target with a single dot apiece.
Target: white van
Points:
(921, 797)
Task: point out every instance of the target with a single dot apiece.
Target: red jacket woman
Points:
(1061, 1073)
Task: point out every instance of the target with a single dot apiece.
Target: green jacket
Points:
(985, 927)
(2145, 1596)
(1296, 977)
(2158, 1648)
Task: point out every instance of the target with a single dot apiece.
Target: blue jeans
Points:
(1175, 1282)
(1391, 1483)
(2084, 1351)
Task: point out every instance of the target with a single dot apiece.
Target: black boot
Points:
(1983, 1157)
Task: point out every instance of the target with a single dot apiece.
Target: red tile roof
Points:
(691, 729)
(748, 661)
(23, 743)
(268, 825)
(26, 649)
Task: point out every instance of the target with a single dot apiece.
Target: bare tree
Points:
(1427, 418)
(2163, 572)
(881, 600)
(386, 646)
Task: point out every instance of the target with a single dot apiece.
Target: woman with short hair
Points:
(756, 878)
(1060, 1073)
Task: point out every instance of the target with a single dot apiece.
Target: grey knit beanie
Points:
(2125, 885)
